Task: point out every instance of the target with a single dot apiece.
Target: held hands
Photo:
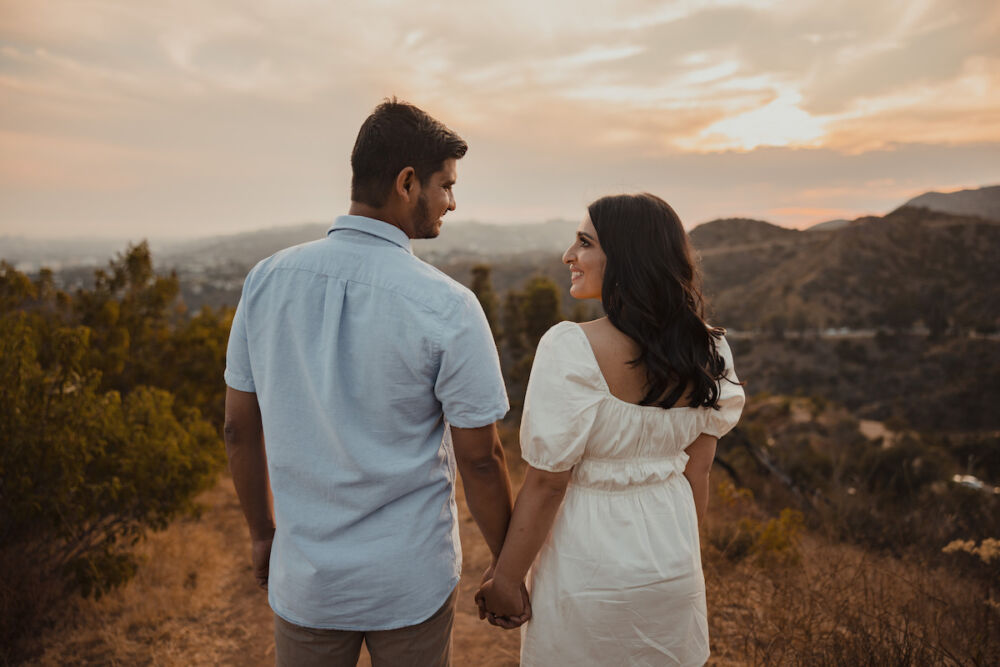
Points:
(503, 602)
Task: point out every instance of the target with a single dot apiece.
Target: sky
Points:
(135, 118)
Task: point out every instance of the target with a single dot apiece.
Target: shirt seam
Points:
(347, 226)
(424, 304)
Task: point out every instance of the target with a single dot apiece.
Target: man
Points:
(346, 357)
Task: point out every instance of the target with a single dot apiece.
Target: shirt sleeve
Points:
(469, 384)
(238, 374)
(731, 397)
(561, 403)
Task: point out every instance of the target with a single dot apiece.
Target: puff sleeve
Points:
(731, 398)
(561, 403)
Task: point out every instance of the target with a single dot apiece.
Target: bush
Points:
(93, 455)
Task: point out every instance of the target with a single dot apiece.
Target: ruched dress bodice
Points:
(619, 579)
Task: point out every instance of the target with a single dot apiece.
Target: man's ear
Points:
(407, 184)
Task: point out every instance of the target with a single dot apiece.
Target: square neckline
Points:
(606, 389)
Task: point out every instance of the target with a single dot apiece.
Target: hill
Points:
(980, 202)
(829, 225)
(739, 231)
(29, 255)
(911, 266)
(458, 241)
(239, 250)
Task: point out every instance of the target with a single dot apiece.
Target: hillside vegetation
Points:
(911, 266)
(110, 414)
(854, 516)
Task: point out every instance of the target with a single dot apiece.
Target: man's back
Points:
(355, 348)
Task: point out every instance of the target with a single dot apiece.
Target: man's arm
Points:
(701, 452)
(483, 467)
(244, 434)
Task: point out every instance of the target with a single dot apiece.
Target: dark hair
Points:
(395, 136)
(650, 292)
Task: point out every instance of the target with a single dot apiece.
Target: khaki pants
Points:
(426, 644)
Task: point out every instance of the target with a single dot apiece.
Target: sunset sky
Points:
(132, 118)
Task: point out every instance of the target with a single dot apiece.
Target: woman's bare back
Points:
(613, 351)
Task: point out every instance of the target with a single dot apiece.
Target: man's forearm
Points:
(489, 496)
(248, 464)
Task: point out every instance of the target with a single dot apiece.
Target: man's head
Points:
(405, 160)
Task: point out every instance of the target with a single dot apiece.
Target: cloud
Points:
(228, 114)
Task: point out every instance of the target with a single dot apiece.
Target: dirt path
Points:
(194, 602)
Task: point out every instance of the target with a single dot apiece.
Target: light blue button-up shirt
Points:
(358, 352)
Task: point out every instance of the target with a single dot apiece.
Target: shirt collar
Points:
(373, 227)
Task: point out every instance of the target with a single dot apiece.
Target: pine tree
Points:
(541, 308)
(482, 287)
(513, 327)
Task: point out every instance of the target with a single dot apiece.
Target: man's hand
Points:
(487, 575)
(261, 561)
(504, 603)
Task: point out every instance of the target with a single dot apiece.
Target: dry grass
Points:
(843, 607)
(836, 604)
(194, 603)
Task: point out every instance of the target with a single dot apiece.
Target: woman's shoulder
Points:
(577, 336)
(564, 352)
(560, 332)
(566, 343)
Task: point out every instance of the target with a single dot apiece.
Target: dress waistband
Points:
(616, 475)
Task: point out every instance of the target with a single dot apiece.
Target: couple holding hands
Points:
(372, 378)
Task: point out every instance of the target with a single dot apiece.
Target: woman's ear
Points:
(406, 181)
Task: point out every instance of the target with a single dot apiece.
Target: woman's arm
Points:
(701, 452)
(535, 511)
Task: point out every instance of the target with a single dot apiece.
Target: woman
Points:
(620, 425)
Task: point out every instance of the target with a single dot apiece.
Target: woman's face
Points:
(586, 262)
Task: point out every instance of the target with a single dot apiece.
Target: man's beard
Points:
(423, 226)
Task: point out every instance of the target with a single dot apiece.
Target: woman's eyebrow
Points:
(585, 236)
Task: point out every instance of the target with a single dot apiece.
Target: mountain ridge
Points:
(982, 202)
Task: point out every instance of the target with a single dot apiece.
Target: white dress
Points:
(619, 580)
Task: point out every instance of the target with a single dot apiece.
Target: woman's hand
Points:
(504, 602)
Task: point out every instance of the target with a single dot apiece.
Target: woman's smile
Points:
(585, 260)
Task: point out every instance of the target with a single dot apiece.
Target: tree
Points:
(777, 324)
(482, 287)
(900, 312)
(513, 327)
(101, 399)
(131, 311)
(581, 312)
(541, 308)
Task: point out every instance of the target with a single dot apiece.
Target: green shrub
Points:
(97, 448)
